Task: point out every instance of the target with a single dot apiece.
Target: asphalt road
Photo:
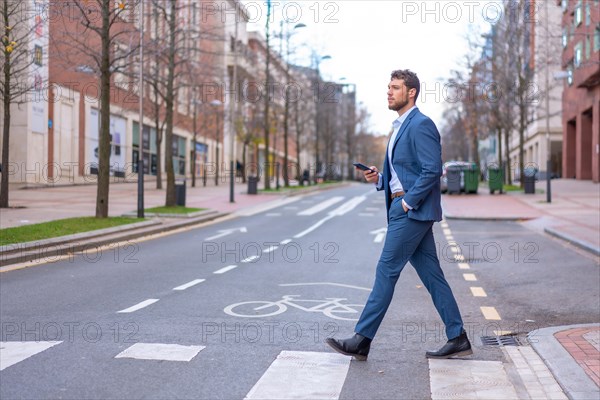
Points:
(238, 293)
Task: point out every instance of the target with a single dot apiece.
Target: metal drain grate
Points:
(504, 340)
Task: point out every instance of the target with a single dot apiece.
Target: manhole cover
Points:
(503, 340)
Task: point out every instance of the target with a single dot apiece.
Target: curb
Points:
(574, 241)
(507, 218)
(54, 248)
(163, 215)
(56, 241)
(574, 381)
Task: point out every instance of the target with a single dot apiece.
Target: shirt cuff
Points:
(406, 204)
(379, 184)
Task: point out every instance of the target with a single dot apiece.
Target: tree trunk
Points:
(508, 166)
(267, 100)
(104, 134)
(6, 122)
(170, 196)
(158, 144)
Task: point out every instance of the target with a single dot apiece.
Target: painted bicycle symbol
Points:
(331, 307)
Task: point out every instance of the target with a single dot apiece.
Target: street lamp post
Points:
(318, 60)
(548, 141)
(216, 104)
(140, 160)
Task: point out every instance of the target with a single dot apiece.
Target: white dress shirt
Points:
(395, 184)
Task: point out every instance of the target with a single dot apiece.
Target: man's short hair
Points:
(410, 79)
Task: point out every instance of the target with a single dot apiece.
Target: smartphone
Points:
(362, 166)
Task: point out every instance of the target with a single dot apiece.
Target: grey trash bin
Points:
(252, 185)
(529, 180)
(180, 193)
(453, 175)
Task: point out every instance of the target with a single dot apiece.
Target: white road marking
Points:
(449, 238)
(446, 231)
(463, 266)
(189, 284)
(266, 207)
(490, 313)
(365, 214)
(270, 249)
(225, 269)
(225, 232)
(250, 259)
(139, 306)
(325, 283)
(470, 379)
(470, 277)
(160, 351)
(273, 214)
(500, 333)
(302, 375)
(459, 257)
(478, 291)
(321, 206)
(286, 241)
(14, 352)
(343, 209)
(379, 234)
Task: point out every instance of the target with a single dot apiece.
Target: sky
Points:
(367, 39)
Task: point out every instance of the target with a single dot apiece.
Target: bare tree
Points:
(15, 82)
(99, 35)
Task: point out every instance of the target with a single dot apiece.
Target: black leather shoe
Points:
(357, 346)
(457, 347)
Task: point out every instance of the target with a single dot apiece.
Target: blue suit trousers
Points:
(408, 240)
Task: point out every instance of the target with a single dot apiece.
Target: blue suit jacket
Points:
(417, 160)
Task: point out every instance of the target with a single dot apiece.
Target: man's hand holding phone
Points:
(371, 173)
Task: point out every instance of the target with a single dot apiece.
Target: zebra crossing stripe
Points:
(302, 375)
(14, 352)
(161, 352)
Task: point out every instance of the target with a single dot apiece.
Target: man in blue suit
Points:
(411, 183)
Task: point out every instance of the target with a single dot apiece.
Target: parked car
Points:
(459, 166)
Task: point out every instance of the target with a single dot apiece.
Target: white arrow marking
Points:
(379, 234)
(225, 232)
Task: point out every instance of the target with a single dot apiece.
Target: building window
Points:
(178, 147)
(588, 47)
(565, 38)
(577, 55)
(597, 38)
(588, 14)
(565, 5)
(570, 75)
(38, 55)
(578, 16)
(148, 148)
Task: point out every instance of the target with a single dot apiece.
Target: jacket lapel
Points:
(403, 128)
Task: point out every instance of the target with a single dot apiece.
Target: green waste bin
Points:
(496, 179)
(471, 179)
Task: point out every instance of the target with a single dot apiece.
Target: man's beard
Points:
(398, 106)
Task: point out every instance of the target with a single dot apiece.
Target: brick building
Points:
(581, 96)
